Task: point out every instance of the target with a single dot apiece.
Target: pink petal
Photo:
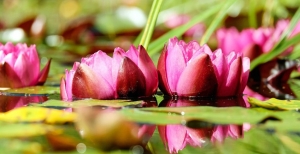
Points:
(86, 84)
(29, 77)
(130, 81)
(63, 92)
(176, 135)
(220, 66)
(198, 78)
(227, 39)
(233, 79)
(245, 75)
(133, 53)
(9, 75)
(4, 82)
(150, 73)
(175, 64)
(162, 74)
(33, 59)
(44, 73)
(101, 63)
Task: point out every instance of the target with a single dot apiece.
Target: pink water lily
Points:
(99, 76)
(253, 42)
(20, 66)
(188, 69)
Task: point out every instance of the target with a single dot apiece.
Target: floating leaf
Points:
(24, 130)
(30, 91)
(228, 115)
(38, 114)
(88, 102)
(18, 146)
(275, 104)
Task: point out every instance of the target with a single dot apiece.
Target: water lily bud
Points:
(126, 74)
(191, 70)
(20, 66)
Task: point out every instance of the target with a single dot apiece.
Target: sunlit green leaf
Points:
(217, 20)
(228, 115)
(88, 102)
(275, 104)
(38, 90)
(157, 45)
(24, 130)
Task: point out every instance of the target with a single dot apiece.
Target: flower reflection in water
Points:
(8, 102)
(177, 137)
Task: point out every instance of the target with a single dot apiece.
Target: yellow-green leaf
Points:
(89, 102)
(31, 90)
(38, 114)
(275, 104)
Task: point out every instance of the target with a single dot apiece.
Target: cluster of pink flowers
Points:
(184, 69)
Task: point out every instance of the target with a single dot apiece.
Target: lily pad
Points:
(275, 104)
(228, 115)
(89, 102)
(37, 114)
(24, 130)
(31, 91)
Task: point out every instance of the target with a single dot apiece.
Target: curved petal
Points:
(44, 73)
(176, 135)
(245, 75)
(220, 66)
(198, 78)
(29, 78)
(86, 84)
(162, 74)
(11, 76)
(130, 80)
(233, 79)
(101, 64)
(133, 53)
(33, 60)
(63, 92)
(118, 55)
(175, 64)
(3, 79)
(150, 73)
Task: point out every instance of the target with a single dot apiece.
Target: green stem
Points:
(157, 45)
(252, 14)
(148, 31)
(217, 20)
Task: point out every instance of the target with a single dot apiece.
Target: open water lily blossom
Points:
(188, 69)
(20, 66)
(99, 76)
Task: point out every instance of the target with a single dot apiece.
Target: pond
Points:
(183, 77)
(152, 125)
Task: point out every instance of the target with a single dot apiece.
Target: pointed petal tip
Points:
(130, 80)
(44, 73)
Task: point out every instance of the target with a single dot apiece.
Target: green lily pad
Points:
(18, 129)
(228, 115)
(275, 104)
(88, 102)
(29, 91)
